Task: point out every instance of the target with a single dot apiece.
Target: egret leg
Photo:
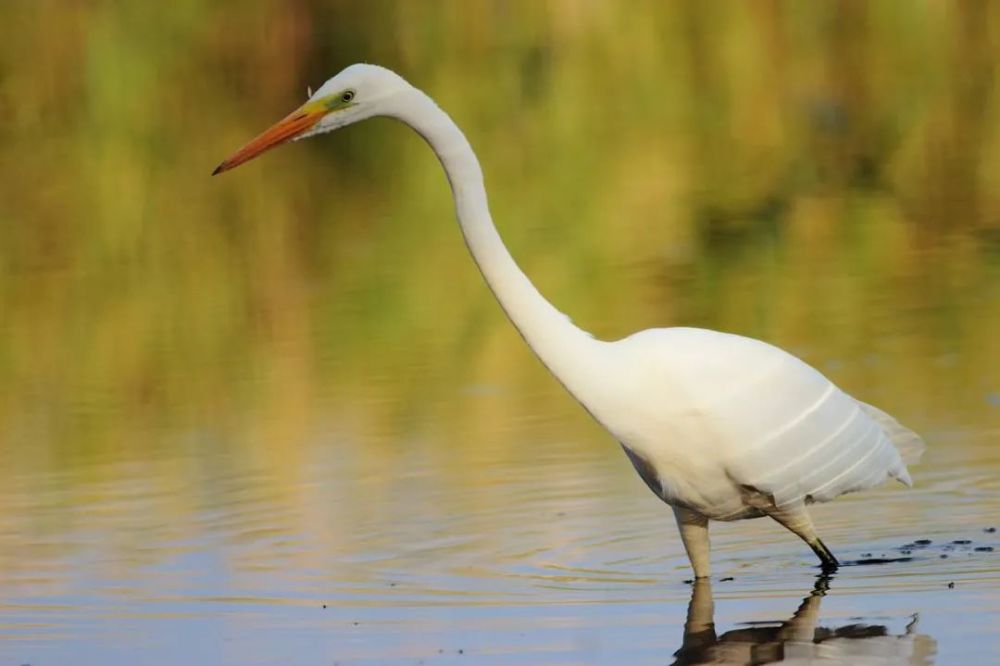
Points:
(796, 518)
(694, 533)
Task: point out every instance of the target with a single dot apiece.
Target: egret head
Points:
(356, 93)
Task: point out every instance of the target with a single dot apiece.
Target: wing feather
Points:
(789, 432)
(759, 418)
(910, 445)
(837, 448)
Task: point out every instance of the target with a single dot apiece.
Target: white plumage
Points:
(737, 416)
(719, 426)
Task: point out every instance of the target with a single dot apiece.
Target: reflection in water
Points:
(795, 639)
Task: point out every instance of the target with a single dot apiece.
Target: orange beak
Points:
(284, 130)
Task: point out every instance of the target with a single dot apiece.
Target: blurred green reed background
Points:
(823, 175)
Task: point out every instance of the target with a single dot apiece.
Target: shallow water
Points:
(532, 547)
(276, 417)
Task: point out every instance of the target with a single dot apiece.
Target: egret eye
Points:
(347, 96)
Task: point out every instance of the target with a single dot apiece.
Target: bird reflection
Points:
(797, 639)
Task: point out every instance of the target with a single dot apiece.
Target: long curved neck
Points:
(561, 346)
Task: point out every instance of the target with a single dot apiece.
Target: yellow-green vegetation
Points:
(822, 175)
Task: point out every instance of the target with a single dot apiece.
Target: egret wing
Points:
(780, 427)
(795, 436)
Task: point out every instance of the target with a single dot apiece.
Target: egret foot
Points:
(827, 561)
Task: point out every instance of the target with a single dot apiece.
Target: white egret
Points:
(719, 426)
